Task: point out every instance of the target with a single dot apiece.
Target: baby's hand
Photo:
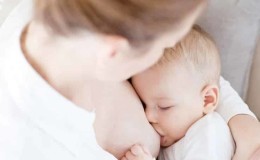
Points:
(256, 155)
(138, 152)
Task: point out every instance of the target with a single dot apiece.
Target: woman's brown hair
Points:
(137, 20)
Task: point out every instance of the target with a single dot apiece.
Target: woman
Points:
(86, 50)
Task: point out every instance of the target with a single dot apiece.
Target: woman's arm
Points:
(246, 131)
(242, 122)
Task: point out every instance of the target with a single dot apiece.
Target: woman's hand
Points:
(246, 131)
(138, 152)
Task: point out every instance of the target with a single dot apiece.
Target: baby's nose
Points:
(151, 115)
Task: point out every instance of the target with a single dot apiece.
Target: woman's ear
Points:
(113, 51)
(210, 95)
(117, 45)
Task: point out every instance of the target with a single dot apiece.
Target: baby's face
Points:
(172, 98)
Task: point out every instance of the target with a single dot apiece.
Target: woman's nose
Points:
(151, 115)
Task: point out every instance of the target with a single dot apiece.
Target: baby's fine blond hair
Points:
(199, 52)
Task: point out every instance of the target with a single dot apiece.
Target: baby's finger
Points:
(146, 151)
(137, 150)
(129, 155)
(124, 158)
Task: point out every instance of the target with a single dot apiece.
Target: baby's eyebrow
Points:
(166, 100)
(145, 105)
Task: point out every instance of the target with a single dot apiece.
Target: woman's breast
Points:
(121, 122)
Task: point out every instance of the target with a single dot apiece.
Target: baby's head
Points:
(181, 87)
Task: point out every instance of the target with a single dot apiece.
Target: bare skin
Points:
(73, 65)
(115, 105)
(120, 119)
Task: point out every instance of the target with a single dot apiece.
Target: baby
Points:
(180, 94)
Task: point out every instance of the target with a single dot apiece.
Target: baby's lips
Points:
(157, 130)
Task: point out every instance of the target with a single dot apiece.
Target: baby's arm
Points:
(244, 126)
(138, 152)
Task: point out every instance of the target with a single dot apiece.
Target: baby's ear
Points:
(210, 95)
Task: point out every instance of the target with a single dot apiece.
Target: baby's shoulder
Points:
(209, 137)
(210, 122)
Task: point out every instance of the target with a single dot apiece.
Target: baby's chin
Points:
(166, 142)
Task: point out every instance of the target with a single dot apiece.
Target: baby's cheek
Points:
(176, 125)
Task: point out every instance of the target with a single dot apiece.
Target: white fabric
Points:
(230, 104)
(36, 122)
(6, 6)
(235, 26)
(207, 139)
